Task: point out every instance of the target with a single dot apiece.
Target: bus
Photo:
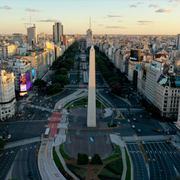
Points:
(86, 78)
(59, 108)
(46, 134)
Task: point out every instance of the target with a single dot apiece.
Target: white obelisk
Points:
(91, 113)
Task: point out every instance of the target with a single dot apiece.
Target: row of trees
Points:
(62, 65)
(106, 67)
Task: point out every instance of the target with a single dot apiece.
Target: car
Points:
(143, 142)
(141, 116)
(158, 131)
(167, 141)
(139, 131)
(153, 130)
(128, 120)
(118, 123)
(30, 175)
(147, 117)
(134, 119)
(133, 126)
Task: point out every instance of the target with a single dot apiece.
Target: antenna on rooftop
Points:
(30, 20)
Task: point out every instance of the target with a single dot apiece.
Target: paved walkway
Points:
(91, 174)
(64, 164)
(22, 142)
(46, 165)
(116, 139)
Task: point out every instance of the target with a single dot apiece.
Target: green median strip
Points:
(128, 172)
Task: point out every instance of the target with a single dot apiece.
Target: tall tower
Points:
(91, 114)
(57, 32)
(32, 34)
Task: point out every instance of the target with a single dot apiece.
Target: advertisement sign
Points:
(134, 55)
(33, 72)
(48, 45)
(25, 82)
(165, 69)
(23, 93)
(156, 65)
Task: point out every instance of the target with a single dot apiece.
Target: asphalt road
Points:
(24, 130)
(25, 162)
(142, 123)
(162, 159)
(139, 166)
(6, 160)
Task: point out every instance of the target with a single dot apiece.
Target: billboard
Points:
(165, 69)
(135, 55)
(33, 72)
(25, 81)
(156, 65)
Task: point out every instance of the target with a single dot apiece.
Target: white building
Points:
(7, 95)
(32, 35)
(57, 32)
(8, 50)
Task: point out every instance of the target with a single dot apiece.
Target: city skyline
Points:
(115, 17)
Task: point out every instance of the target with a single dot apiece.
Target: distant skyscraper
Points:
(178, 41)
(57, 32)
(89, 36)
(18, 37)
(32, 34)
(43, 35)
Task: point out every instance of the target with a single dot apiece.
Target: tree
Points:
(62, 79)
(115, 78)
(40, 83)
(62, 71)
(116, 88)
(82, 158)
(57, 87)
(2, 143)
(96, 159)
(49, 90)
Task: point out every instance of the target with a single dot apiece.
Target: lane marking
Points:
(45, 152)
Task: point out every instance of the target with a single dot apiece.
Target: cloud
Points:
(112, 16)
(100, 24)
(120, 21)
(49, 20)
(6, 7)
(22, 18)
(164, 10)
(145, 22)
(175, 5)
(31, 10)
(140, 3)
(132, 5)
(120, 27)
(153, 5)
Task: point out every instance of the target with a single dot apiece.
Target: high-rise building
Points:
(7, 95)
(32, 35)
(57, 32)
(178, 41)
(18, 37)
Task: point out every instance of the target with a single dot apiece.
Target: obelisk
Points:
(91, 112)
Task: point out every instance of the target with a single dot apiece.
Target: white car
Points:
(128, 120)
(118, 123)
(133, 126)
(143, 142)
(134, 119)
(141, 116)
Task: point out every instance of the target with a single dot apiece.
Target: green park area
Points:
(108, 168)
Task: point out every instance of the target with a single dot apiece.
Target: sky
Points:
(160, 17)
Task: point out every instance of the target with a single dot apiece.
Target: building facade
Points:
(7, 95)
(57, 32)
(18, 37)
(32, 35)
